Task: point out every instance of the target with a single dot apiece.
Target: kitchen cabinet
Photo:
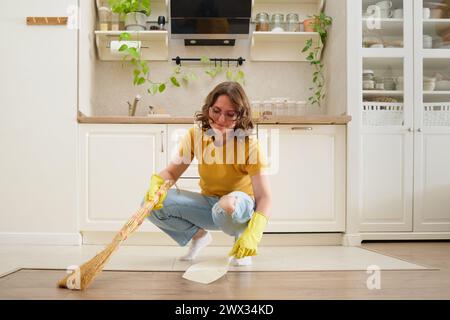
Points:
(402, 132)
(308, 185)
(307, 176)
(115, 165)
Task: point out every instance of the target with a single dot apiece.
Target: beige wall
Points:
(335, 58)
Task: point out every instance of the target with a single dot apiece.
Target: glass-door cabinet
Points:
(432, 61)
(432, 115)
(387, 63)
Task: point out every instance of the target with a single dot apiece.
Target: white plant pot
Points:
(135, 21)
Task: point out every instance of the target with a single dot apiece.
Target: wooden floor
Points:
(423, 284)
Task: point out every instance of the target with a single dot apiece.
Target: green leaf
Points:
(124, 36)
(140, 81)
(229, 74)
(174, 81)
(136, 72)
(162, 87)
(134, 53)
(205, 60)
(145, 69)
(193, 76)
(123, 48)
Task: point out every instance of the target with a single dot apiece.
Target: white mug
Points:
(384, 4)
(398, 14)
(426, 13)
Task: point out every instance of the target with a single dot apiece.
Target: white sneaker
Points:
(245, 261)
(196, 246)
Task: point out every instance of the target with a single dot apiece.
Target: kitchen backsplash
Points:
(112, 85)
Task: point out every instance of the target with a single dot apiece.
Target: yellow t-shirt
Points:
(223, 169)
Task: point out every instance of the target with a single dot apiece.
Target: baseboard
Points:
(351, 240)
(30, 238)
(405, 235)
(219, 239)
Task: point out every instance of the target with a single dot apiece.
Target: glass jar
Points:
(277, 22)
(267, 109)
(115, 21)
(368, 75)
(104, 17)
(262, 21)
(256, 109)
(292, 22)
(379, 84)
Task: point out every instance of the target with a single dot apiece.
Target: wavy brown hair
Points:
(238, 98)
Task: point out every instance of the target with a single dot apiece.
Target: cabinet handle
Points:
(162, 141)
(419, 130)
(302, 128)
(410, 129)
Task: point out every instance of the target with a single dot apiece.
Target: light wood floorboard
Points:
(411, 284)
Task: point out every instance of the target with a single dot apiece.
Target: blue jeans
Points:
(185, 212)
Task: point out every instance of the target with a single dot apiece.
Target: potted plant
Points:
(318, 23)
(135, 11)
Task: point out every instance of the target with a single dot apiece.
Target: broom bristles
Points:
(90, 269)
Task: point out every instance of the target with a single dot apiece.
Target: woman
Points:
(235, 195)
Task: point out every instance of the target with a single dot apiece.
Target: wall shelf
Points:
(154, 45)
(280, 46)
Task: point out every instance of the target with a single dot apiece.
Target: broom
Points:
(83, 276)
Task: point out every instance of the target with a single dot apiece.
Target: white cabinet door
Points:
(432, 181)
(116, 162)
(386, 173)
(307, 177)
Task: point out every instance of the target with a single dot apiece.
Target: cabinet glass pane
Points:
(383, 95)
(436, 91)
(382, 24)
(436, 25)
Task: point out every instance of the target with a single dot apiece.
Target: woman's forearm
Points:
(263, 206)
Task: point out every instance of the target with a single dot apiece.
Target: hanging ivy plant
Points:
(321, 24)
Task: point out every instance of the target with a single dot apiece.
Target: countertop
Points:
(313, 119)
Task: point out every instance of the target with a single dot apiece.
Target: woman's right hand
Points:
(156, 182)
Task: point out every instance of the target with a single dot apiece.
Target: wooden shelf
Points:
(383, 52)
(154, 44)
(280, 46)
(436, 93)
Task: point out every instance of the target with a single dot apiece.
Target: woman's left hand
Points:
(247, 244)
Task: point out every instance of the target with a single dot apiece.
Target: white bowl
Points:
(443, 85)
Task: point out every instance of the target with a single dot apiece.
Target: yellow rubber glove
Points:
(155, 183)
(247, 244)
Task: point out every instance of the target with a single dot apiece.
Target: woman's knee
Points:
(235, 208)
(228, 203)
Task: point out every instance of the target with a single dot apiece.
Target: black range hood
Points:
(210, 22)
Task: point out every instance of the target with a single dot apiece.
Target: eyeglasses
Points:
(215, 113)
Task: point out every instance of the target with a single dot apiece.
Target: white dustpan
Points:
(208, 271)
